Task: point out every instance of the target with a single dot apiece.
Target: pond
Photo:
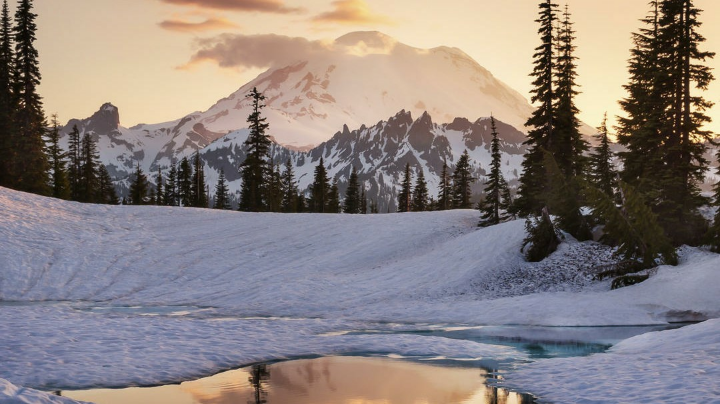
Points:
(326, 380)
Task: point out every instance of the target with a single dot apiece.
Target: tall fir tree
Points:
(138, 187)
(255, 169)
(363, 200)
(320, 190)
(462, 182)
(75, 162)
(198, 193)
(405, 195)
(351, 204)
(334, 198)
(445, 193)
(222, 193)
(289, 188)
(171, 187)
(663, 127)
(420, 196)
(106, 188)
(602, 174)
(184, 182)
(159, 188)
(88, 170)
(7, 151)
(541, 134)
(495, 207)
(30, 167)
(58, 178)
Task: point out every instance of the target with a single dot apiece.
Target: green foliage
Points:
(320, 190)
(88, 170)
(420, 196)
(462, 180)
(351, 204)
(563, 200)
(405, 195)
(633, 226)
(542, 238)
(602, 175)
(255, 170)
(106, 189)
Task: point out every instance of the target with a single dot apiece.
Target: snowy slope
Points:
(187, 292)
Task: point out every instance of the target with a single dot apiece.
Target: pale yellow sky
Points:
(95, 51)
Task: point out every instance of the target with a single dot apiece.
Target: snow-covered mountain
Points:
(380, 153)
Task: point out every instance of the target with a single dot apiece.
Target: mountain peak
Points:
(106, 119)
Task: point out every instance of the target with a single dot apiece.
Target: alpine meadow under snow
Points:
(228, 289)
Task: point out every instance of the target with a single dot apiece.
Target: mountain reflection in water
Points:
(330, 380)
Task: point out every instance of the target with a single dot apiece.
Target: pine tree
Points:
(222, 193)
(445, 194)
(74, 154)
(7, 151)
(138, 187)
(159, 188)
(363, 200)
(565, 201)
(254, 170)
(290, 189)
(462, 180)
(88, 170)
(352, 194)
(542, 237)
(185, 181)
(713, 236)
(171, 187)
(320, 190)
(541, 135)
(494, 207)
(106, 188)
(59, 180)
(197, 187)
(30, 168)
(602, 175)
(405, 195)
(334, 198)
(420, 193)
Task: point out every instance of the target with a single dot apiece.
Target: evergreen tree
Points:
(334, 198)
(30, 168)
(405, 196)
(541, 135)
(275, 190)
(462, 180)
(138, 187)
(74, 154)
(602, 175)
(320, 190)
(363, 200)
(494, 208)
(302, 204)
(7, 151)
(420, 194)
(374, 206)
(542, 237)
(352, 194)
(290, 189)
(222, 193)
(713, 235)
(565, 200)
(106, 189)
(171, 187)
(59, 180)
(88, 170)
(254, 170)
(185, 181)
(159, 188)
(445, 194)
(633, 226)
(663, 128)
(197, 187)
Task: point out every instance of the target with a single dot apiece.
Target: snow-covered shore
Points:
(316, 276)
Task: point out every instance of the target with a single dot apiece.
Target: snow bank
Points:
(676, 366)
(11, 394)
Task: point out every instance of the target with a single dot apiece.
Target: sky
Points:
(138, 54)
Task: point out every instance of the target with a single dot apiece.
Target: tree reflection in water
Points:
(259, 376)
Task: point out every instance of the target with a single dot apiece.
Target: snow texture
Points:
(111, 296)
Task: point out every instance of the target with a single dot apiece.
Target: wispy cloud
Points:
(265, 6)
(209, 24)
(352, 12)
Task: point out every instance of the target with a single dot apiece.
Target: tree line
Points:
(652, 204)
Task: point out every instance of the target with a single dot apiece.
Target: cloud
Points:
(254, 51)
(207, 25)
(265, 6)
(352, 12)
